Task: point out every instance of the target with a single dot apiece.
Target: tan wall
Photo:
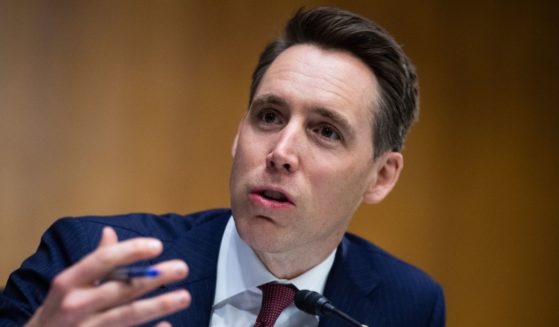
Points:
(117, 106)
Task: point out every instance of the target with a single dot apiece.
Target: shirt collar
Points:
(240, 270)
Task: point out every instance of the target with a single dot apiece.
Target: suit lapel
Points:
(348, 286)
(199, 248)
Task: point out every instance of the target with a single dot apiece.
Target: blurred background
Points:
(120, 106)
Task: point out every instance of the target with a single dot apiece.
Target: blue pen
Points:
(127, 273)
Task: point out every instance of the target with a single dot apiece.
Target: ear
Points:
(234, 147)
(236, 139)
(387, 171)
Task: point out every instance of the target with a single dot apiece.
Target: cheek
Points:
(251, 145)
(241, 161)
(326, 188)
(339, 189)
(243, 154)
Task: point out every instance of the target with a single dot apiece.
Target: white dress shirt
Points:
(240, 272)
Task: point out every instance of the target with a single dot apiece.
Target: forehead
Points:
(310, 76)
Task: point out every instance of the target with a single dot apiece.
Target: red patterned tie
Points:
(275, 298)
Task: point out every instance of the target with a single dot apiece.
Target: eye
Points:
(269, 117)
(328, 132)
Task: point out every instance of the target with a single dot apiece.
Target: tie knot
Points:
(275, 298)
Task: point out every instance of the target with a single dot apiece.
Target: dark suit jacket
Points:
(365, 282)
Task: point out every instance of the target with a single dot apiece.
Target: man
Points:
(330, 105)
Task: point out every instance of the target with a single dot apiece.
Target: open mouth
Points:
(274, 196)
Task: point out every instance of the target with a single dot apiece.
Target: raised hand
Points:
(77, 298)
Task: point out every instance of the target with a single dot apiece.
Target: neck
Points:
(289, 265)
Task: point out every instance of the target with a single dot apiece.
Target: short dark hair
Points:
(332, 28)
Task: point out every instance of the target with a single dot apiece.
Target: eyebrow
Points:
(268, 99)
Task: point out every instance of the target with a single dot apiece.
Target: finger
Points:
(164, 324)
(108, 236)
(142, 311)
(115, 293)
(101, 261)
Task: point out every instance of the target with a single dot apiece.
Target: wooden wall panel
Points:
(117, 106)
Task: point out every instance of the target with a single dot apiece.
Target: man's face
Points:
(303, 155)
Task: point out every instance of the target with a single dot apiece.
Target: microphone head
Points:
(312, 302)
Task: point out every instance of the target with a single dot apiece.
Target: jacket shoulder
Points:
(404, 293)
(165, 227)
(394, 271)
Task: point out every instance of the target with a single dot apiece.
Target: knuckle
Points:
(130, 315)
(124, 317)
(69, 310)
(139, 285)
(136, 245)
(104, 257)
(167, 304)
(59, 284)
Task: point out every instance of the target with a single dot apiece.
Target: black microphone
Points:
(316, 304)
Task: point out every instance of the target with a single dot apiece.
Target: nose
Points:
(284, 156)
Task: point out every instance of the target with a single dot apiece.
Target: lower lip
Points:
(261, 201)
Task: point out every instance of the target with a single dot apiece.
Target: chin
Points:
(261, 236)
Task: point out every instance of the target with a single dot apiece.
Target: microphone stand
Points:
(316, 304)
